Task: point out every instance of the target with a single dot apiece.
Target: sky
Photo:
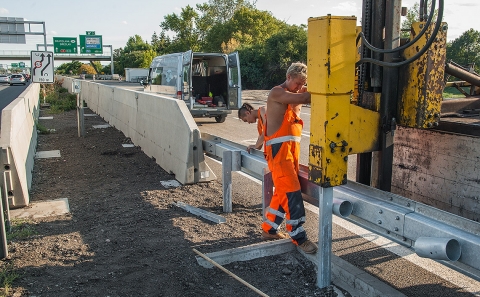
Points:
(118, 20)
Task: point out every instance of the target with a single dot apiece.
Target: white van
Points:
(209, 83)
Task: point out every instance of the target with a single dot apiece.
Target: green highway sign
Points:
(91, 44)
(14, 65)
(21, 64)
(65, 45)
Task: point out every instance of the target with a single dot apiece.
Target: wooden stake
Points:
(231, 274)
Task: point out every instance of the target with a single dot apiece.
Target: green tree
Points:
(465, 50)
(283, 48)
(185, 29)
(137, 53)
(69, 68)
(248, 26)
(264, 65)
(411, 17)
(160, 43)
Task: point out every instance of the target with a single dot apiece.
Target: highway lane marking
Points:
(448, 274)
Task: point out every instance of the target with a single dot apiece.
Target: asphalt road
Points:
(9, 93)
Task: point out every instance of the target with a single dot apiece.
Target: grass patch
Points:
(452, 92)
(58, 97)
(7, 276)
(20, 229)
(41, 128)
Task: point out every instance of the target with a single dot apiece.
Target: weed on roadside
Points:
(7, 276)
(41, 128)
(58, 97)
(20, 229)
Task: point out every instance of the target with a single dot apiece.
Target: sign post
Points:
(42, 67)
(65, 45)
(76, 88)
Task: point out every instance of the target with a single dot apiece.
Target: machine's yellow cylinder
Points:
(331, 54)
(421, 82)
(331, 75)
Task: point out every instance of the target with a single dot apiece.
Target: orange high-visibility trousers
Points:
(282, 151)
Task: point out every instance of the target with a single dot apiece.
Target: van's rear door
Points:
(234, 82)
(187, 75)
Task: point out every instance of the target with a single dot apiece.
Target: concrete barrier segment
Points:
(18, 141)
(163, 127)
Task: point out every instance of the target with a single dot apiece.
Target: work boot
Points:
(308, 247)
(278, 235)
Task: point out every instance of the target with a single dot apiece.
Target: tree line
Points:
(266, 45)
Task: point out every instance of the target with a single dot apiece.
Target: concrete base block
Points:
(42, 209)
(48, 154)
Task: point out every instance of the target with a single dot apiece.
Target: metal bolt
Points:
(396, 228)
(345, 158)
(379, 222)
(435, 124)
(397, 218)
(332, 150)
(429, 125)
(380, 211)
(333, 144)
(408, 204)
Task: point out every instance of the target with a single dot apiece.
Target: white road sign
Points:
(42, 67)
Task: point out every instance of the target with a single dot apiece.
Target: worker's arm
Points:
(283, 96)
(258, 145)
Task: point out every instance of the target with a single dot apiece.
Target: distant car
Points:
(4, 78)
(17, 79)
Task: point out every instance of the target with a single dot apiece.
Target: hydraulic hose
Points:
(387, 51)
(417, 55)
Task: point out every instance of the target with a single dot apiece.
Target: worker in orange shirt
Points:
(249, 115)
(282, 151)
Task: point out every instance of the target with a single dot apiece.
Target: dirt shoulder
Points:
(123, 236)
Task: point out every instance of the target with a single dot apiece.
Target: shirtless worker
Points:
(282, 151)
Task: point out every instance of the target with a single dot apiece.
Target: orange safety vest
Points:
(282, 152)
(260, 125)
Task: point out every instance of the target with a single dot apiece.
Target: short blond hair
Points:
(297, 69)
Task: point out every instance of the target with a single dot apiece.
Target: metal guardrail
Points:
(452, 240)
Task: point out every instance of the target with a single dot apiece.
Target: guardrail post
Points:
(231, 161)
(324, 254)
(80, 120)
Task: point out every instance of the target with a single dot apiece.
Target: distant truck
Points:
(209, 83)
(135, 74)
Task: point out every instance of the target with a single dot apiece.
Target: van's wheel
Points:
(220, 119)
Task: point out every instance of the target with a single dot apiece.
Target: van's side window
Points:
(157, 76)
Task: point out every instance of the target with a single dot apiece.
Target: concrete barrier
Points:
(18, 141)
(163, 127)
